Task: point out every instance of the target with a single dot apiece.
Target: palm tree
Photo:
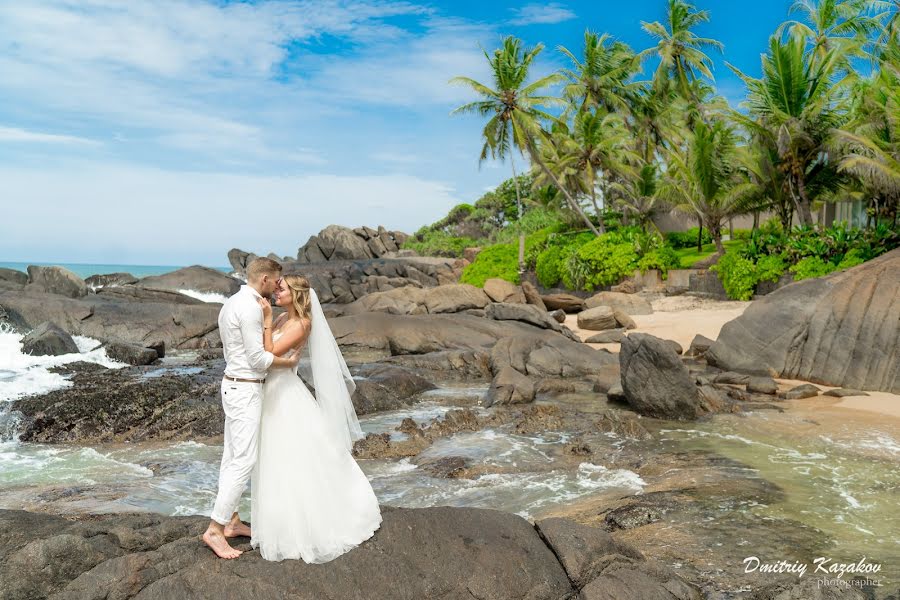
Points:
(840, 25)
(704, 178)
(513, 105)
(680, 50)
(600, 77)
(795, 104)
(869, 145)
(638, 197)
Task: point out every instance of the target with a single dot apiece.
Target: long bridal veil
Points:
(329, 375)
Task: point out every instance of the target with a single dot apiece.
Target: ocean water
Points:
(84, 270)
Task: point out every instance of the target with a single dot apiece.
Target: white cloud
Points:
(15, 134)
(123, 214)
(541, 14)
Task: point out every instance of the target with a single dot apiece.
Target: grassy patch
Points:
(689, 256)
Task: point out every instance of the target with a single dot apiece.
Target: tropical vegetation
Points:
(605, 151)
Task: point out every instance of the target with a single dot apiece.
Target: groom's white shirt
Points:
(240, 327)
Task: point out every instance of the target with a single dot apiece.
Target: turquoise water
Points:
(86, 270)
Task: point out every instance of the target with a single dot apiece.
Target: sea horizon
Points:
(85, 270)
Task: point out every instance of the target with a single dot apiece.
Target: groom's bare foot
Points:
(218, 544)
(237, 529)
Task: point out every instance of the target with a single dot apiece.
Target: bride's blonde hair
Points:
(299, 287)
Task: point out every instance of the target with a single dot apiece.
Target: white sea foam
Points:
(209, 297)
(24, 374)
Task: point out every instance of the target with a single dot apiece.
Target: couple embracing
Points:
(309, 498)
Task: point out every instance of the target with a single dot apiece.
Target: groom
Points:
(246, 363)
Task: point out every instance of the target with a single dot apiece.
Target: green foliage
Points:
(688, 238)
(499, 260)
(662, 259)
(605, 260)
(811, 266)
(439, 243)
(737, 274)
(770, 268)
(549, 266)
(851, 259)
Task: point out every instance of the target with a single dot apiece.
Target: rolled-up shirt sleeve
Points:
(252, 334)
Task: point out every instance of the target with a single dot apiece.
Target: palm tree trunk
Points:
(533, 152)
(802, 201)
(512, 163)
(715, 230)
(700, 234)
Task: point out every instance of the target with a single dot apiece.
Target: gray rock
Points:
(844, 392)
(623, 320)
(610, 336)
(110, 279)
(500, 290)
(133, 293)
(566, 302)
(616, 394)
(762, 385)
(509, 387)
(48, 339)
(655, 381)
(448, 365)
(13, 276)
(597, 319)
(699, 346)
(527, 313)
(439, 552)
(676, 347)
(454, 298)
(197, 278)
(806, 390)
(532, 296)
(558, 315)
(550, 356)
(386, 387)
(839, 330)
(56, 280)
(730, 377)
(789, 588)
(630, 304)
(132, 354)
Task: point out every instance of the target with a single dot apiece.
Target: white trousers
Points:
(242, 402)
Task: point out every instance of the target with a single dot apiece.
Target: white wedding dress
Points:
(309, 497)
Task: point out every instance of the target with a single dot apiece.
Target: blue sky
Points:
(169, 131)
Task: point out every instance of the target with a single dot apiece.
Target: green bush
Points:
(811, 266)
(737, 274)
(549, 266)
(605, 260)
(662, 259)
(851, 259)
(770, 268)
(688, 238)
(439, 243)
(499, 260)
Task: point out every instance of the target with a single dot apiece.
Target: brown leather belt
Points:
(229, 378)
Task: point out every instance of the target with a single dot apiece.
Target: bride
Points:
(309, 498)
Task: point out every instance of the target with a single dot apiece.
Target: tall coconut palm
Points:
(840, 25)
(796, 104)
(638, 197)
(704, 178)
(680, 50)
(513, 106)
(600, 77)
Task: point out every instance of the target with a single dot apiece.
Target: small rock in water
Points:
(509, 387)
(807, 390)
(48, 339)
(762, 385)
(631, 516)
(130, 353)
(844, 392)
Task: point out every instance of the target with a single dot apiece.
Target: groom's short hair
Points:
(262, 266)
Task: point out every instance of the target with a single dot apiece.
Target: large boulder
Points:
(196, 278)
(598, 318)
(655, 381)
(509, 387)
(438, 552)
(840, 330)
(527, 313)
(56, 280)
(133, 293)
(455, 298)
(110, 279)
(334, 243)
(132, 354)
(13, 276)
(630, 304)
(501, 290)
(48, 339)
(566, 302)
(532, 296)
(177, 325)
(551, 356)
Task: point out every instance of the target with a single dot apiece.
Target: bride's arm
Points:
(294, 334)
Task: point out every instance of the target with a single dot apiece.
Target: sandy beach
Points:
(680, 318)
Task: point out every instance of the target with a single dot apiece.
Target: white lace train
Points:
(309, 497)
